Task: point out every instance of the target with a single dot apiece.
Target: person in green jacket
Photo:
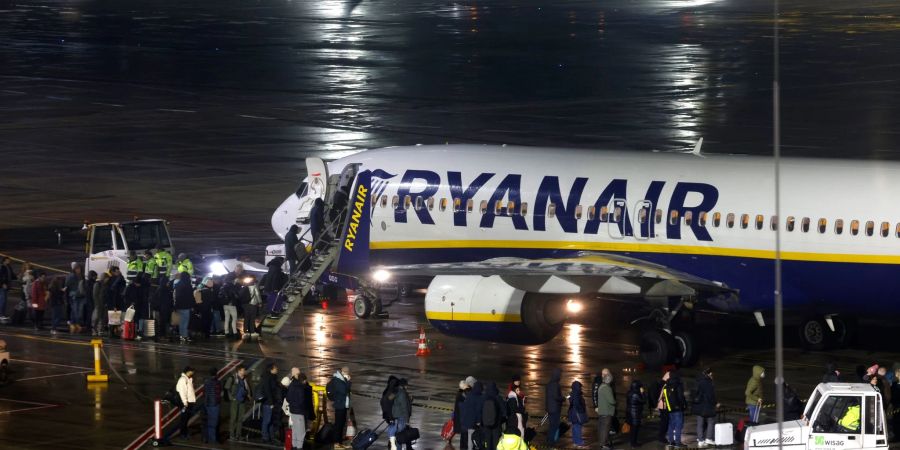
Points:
(754, 392)
(606, 409)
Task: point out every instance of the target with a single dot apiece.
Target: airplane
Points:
(510, 236)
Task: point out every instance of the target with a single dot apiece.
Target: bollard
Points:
(157, 420)
(97, 376)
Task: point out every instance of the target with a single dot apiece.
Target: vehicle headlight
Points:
(218, 269)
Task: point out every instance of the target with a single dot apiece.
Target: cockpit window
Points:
(301, 190)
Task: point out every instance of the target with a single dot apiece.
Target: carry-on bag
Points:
(365, 438)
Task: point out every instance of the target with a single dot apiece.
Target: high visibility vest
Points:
(186, 266)
(850, 421)
(163, 261)
(511, 442)
(135, 266)
(150, 267)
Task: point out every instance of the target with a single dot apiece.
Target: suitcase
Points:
(407, 436)
(128, 331)
(724, 434)
(365, 438)
(741, 429)
(149, 327)
(288, 438)
(254, 423)
(325, 435)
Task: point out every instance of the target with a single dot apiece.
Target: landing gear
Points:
(660, 347)
(686, 348)
(815, 334)
(363, 307)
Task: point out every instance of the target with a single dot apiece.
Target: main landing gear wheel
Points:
(657, 348)
(815, 334)
(686, 348)
(362, 307)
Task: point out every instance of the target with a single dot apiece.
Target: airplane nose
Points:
(285, 215)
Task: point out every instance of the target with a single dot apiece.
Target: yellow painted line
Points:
(46, 339)
(33, 264)
(473, 317)
(639, 247)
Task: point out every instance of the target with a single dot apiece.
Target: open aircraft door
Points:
(617, 218)
(316, 187)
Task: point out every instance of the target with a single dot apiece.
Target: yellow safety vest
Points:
(511, 442)
(186, 266)
(135, 267)
(850, 421)
(150, 267)
(163, 261)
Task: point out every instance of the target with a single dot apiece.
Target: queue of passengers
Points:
(230, 306)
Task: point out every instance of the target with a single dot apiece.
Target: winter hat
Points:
(470, 380)
(462, 385)
(872, 370)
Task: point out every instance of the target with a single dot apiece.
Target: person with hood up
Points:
(753, 394)
(184, 301)
(577, 413)
(515, 406)
(387, 408)
(705, 405)
(457, 414)
(401, 411)
(472, 409)
(317, 219)
(338, 391)
(511, 439)
(673, 396)
(290, 241)
(271, 285)
(493, 416)
(634, 409)
(606, 409)
(832, 375)
(553, 401)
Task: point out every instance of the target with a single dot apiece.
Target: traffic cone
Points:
(423, 346)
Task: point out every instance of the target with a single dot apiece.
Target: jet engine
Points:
(489, 309)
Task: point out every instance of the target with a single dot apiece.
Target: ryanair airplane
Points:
(510, 236)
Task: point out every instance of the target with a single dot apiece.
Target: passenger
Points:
(229, 297)
(871, 372)
(76, 298)
(401, 410)
(577, 413)
(203, 304)
(553, 401)
(793, 406)
(388, 396)
(212, 391)
(26, 281)
(832, 375)
(164, 304)
(472, 409)
(317, 219)
(884, 386)
(239, 395)
(606, 409)
(895, 400)
(338, 391)
(270, 392)
(184, 264)
(39, 297)
(134, 299)
(101, 316)
(297, 404)
(515, 406)
(705, 405)
(115, 296)
(634, 410)
(271, 284)
(184, 301)
(673, 395)
(661, 407)
(185, 389)
(7, 276)
(290, 241)
(753, 394)
(57, 303)
(492, 416)
(511, 440)
(458, 413)
(216, 327)
(87, 286)
(251, 299)
(598, 380)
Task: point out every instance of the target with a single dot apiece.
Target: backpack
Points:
(172, 396)
(329, 388)
(491, 413)
(387, 407)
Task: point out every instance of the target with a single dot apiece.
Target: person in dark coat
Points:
(205, 307)
(212, 393)
(673, 396)
(338, 391)
(297, 402)
(164, 304)
(290, 241)
(184, 301)
(832, 375)
(793, 406)
(270, 391)
(634, 410)
(553, 401)
(492, 416)
(705, 405)
(473, 407)
(317, 219)
(656, 401)
(134, 298)
(515, 406)
(577, 413)
(457, 415)
(271, 285)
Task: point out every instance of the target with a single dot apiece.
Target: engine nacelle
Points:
(489, 309)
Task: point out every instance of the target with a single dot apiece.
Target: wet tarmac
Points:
(48, 387)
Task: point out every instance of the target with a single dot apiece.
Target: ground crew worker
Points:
(163, 264)
(185, 264)
(135, 267)
(850, 421)
(150, 267)
(511, 439)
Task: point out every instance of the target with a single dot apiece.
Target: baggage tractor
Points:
(365, 438)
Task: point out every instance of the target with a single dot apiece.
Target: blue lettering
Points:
(432, 181)
(457, 193)
(653, 197)
(508, 188)
(709, 194)
(565, 213)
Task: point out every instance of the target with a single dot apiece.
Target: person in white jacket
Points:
(185, 389)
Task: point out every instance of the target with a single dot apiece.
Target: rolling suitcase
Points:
(128, 331)
(253, 424)
(724, 434)
(365, 438)
(325, 435)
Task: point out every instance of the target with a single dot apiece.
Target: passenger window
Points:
(870, 228)
(384, 201)
(874, 411)
(854, 227)
(745, 221)
(760, 220)
(885, 229)
(838, 226)
(578, 212)
(395, 202)
(483, 207)
(604, 214)
(457, 205)
(688, 218)
(729, 220)
(498, 207)
(773, 223)
(470, 205)
(658, 215)
(524, 208)
(430, 203)
(617, 214)
(443, 204)
(717, 219)
(642, 215)
(804, 225)
(839, 414)
(420, 203)
(592, 212)
(551, 210)
(407, 201)
(790, 224)
(703, 219)
(897, 230)
(511, 208)
(823, 225)
(673, 217)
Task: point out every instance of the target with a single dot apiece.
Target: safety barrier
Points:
(97, 376)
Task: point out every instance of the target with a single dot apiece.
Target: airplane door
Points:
(616, 218)
(642, 220)
(318, 178)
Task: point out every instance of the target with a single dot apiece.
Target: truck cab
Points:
(108, 244)
(838, 416)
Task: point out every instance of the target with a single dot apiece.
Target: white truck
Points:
(108, 244)
(838, 416)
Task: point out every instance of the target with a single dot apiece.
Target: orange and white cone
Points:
(423, 345)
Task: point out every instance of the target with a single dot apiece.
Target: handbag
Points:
(447, 432)
(626, 428)
(129, 314)
(114, 318)
(175, 319)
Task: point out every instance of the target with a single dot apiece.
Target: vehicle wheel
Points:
(686, 348)
(404, 290)
(362, 307)
(657, 348)
(815, 335)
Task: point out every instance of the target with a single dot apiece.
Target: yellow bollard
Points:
(97, 377)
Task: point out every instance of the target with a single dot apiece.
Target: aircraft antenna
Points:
(776, 150)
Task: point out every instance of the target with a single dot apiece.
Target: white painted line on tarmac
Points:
(176, 110)
(51, 364)
(82, 372)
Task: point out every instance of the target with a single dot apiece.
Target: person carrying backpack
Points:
(673, 398)
(239, 395)
(472, 410)
(401, 411)
(577, 413)
(338, 391)
(492, 416)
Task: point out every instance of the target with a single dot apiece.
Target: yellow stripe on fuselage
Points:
(620, 247)
(472, 317)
